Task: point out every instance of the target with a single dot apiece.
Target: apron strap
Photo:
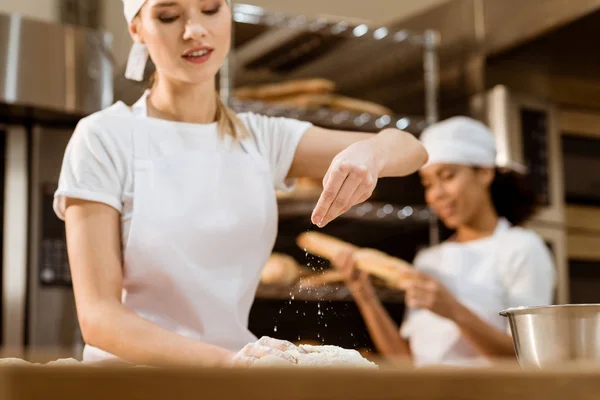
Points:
(140, 140)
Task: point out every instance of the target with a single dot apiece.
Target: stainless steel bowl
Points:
(555, 335)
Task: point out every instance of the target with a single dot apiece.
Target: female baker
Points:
(170, 204)
(489, 264)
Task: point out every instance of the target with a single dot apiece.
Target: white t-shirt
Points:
(97, 165)
(511, 268)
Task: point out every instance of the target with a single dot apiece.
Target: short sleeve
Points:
(94, 167)
(529, 275)
(277, 139)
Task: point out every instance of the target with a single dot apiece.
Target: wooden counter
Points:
(498, 383)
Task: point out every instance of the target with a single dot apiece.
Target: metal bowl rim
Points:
(541, 309)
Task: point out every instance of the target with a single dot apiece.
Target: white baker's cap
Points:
(462, 140)
(131, 8)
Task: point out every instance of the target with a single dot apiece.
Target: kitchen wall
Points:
(46, 10)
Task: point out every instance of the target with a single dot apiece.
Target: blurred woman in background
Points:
(489, 264)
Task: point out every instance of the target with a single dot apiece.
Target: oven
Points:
(580, 136)
(527, 131)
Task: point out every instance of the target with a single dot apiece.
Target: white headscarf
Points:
(138, 55)
(462, 140)
(131, 8)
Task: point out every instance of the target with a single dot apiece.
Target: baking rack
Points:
(344, 32)
(427, 40)
(368, 211)
(328, 118)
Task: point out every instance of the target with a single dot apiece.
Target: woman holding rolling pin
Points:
(170, 204)
(489, 264)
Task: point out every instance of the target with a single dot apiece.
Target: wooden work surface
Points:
(501, 383)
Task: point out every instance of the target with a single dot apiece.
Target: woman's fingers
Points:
(278, 344)
(332, 185)
(418, 293)
(259, 351)
(345, 186)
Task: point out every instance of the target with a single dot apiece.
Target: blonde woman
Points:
(170, 204)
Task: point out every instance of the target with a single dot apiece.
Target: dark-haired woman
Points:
(489, 264)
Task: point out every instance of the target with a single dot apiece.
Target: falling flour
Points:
(320, 356)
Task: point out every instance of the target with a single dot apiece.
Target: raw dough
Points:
(62, 362)
(10, 362)
(320, 356)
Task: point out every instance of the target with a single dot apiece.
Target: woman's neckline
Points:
(140, 109)
(501, 225)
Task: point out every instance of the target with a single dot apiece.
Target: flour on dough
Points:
(320, 356)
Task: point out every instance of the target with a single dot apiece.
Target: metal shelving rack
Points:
(428, 41)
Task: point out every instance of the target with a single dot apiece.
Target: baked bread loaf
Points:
(305, 189)
(280, 269)
(374, 262)
(383, 266)
(325, 278)
(273, 91)
(308, 93)
(322, 245)
(356, 105)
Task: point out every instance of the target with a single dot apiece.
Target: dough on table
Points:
(319, 356)
(62, 362)
(11, 361)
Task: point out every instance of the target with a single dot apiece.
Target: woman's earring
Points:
(136, 63)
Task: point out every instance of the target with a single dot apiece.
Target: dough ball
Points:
(62, 362)
(319, 357)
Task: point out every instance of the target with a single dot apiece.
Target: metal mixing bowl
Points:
(554, 335)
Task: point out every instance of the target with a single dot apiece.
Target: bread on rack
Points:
(305, 189)
(280, 269)
(374, 262)
(356, 105)
(311, 93)
(305, 100)
(322, 279)
(389, 269)
(332, 101)
(322, 245)
(272, 91)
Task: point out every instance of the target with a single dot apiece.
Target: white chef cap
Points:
(131, 8)
(463, 140)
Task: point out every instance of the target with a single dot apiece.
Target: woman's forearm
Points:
(117, 330)
(399, 153)
(383, 330)
(491, 341)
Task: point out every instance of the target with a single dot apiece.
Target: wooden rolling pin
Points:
(374, 262)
